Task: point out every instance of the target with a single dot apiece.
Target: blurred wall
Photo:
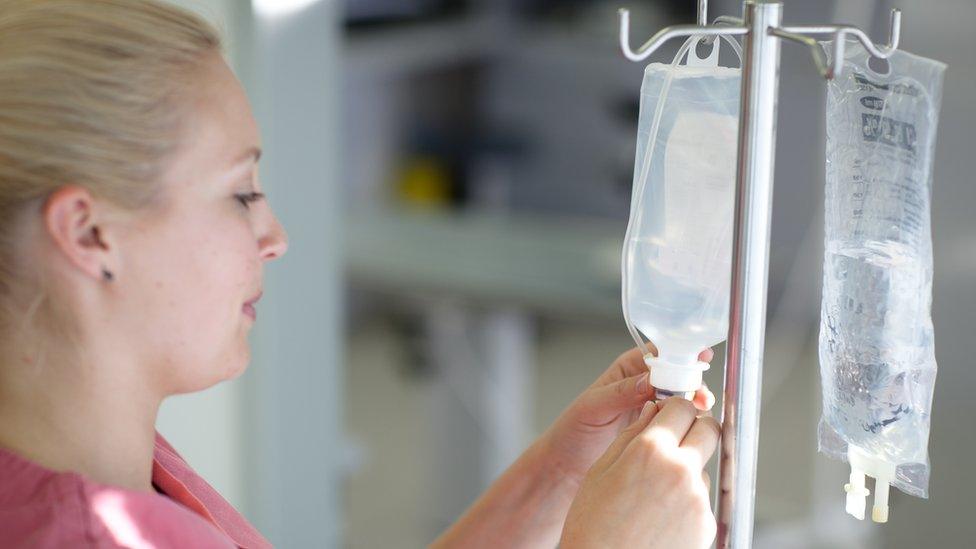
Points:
(292, 435)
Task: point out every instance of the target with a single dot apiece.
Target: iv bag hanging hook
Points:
(800, 34)
(666, 34)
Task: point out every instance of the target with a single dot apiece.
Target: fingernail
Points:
(645, 411)
(709, 397)
(643, 385)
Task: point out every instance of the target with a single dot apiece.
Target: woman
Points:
(134, 235)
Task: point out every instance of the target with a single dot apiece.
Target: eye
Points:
(247, 198)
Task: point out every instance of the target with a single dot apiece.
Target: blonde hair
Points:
(90, 94)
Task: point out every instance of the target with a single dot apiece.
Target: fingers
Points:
(677, 425)
(606, 402)
(672, 422)
(629, 364)
(624, 386)
(647, 414)
(704, 398)
(702, 438)
(652, 347)
(707, 355)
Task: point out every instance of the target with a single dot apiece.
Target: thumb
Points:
(602, 404)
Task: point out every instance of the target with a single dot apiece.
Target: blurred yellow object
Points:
(424, 181)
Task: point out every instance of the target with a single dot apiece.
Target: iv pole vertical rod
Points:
(750, 262)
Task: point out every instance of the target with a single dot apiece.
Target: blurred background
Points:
(455, 178)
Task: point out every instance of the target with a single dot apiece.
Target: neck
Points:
(71, 416)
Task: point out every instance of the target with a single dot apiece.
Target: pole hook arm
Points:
(666, 34)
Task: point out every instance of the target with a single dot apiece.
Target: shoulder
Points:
(46, 509)
(174, 477)
(143, 519)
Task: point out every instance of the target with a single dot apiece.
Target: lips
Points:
(249, 309)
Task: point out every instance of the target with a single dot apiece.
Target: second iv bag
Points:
(676, 264)
(877, 346)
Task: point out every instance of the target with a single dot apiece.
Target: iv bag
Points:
(877, 354)
(676, 264)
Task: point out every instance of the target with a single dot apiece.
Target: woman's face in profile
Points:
(192, 267)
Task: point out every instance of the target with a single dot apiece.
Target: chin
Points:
(236, 371)
(229, 370)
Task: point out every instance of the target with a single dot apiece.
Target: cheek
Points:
(201, 328)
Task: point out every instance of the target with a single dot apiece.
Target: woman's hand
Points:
(649, 489)
(527, 506)
(587, 427)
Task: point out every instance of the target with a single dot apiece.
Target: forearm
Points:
(525, 507)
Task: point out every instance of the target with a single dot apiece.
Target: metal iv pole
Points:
(761, 33)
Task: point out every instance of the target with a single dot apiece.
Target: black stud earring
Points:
(107, 275)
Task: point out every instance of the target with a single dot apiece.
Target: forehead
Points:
(218, 126)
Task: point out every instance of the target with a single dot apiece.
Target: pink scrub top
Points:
(41, 508)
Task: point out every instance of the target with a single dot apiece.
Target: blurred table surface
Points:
(539, 262)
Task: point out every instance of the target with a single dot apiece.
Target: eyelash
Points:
(247, 198)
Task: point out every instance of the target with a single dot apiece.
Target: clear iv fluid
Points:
(682, 312)
(873, 344)
(681, 243)
(681, 253)
(876, 340)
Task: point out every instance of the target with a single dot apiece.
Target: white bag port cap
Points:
(678, 378)
(864, 464)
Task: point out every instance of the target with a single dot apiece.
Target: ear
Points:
(71, 219)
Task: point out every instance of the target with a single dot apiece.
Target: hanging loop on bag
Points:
(711, 61)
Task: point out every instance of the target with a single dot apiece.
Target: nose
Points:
(274, 243)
